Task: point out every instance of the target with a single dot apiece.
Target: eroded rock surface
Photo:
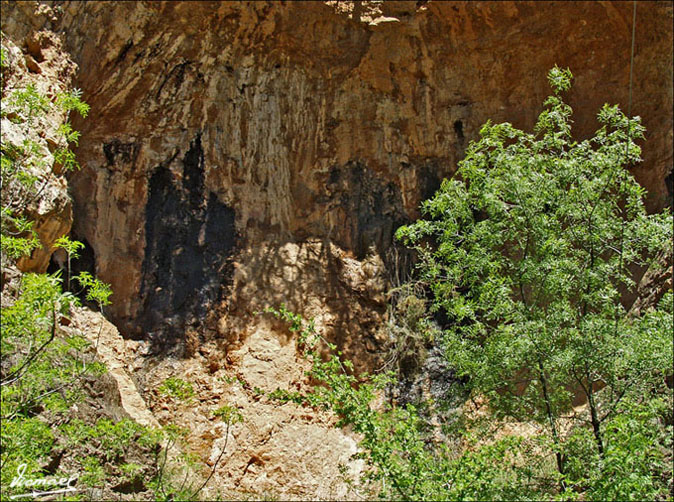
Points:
(319, 120)
(48, 68)
(240, 155)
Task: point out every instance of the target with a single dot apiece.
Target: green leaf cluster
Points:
(112, 439)
(177, 388)
(97, 290)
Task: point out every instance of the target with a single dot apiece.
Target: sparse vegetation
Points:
(177, 388)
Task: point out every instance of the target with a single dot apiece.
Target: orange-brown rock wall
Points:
(316, 120)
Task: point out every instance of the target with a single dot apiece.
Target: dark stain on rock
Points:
(458, 130)
(430, 181)
(373, 207)
(190, 236)
(116, 152)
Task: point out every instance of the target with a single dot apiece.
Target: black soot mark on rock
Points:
(190, 236)
(117, 152)
(458, 130)
(374, 208)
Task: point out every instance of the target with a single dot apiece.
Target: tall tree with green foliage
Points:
(527, 250)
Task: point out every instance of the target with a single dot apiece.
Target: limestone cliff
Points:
(244, 154)
(47, 203)
(221, 129)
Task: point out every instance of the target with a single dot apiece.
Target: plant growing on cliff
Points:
(72, 250)
(178, 389)
(24, 173)
(97, 290)
(66, 102)
(526, 251)
(27, 104)
(403, 461)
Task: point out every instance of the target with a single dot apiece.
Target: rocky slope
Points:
(241, 155)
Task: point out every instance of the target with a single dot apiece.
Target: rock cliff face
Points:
(243, 154)
(218, 129)
(47, 204)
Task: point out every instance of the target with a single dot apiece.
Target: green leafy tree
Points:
(526, 251)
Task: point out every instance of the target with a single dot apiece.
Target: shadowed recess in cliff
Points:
(190, 236)
(374, 209)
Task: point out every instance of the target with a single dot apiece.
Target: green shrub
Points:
(635, 465)
(112, 439)
(177, 388)
(92, 472)
(229, 414)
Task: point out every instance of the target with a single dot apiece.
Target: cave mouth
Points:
(190, 239)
